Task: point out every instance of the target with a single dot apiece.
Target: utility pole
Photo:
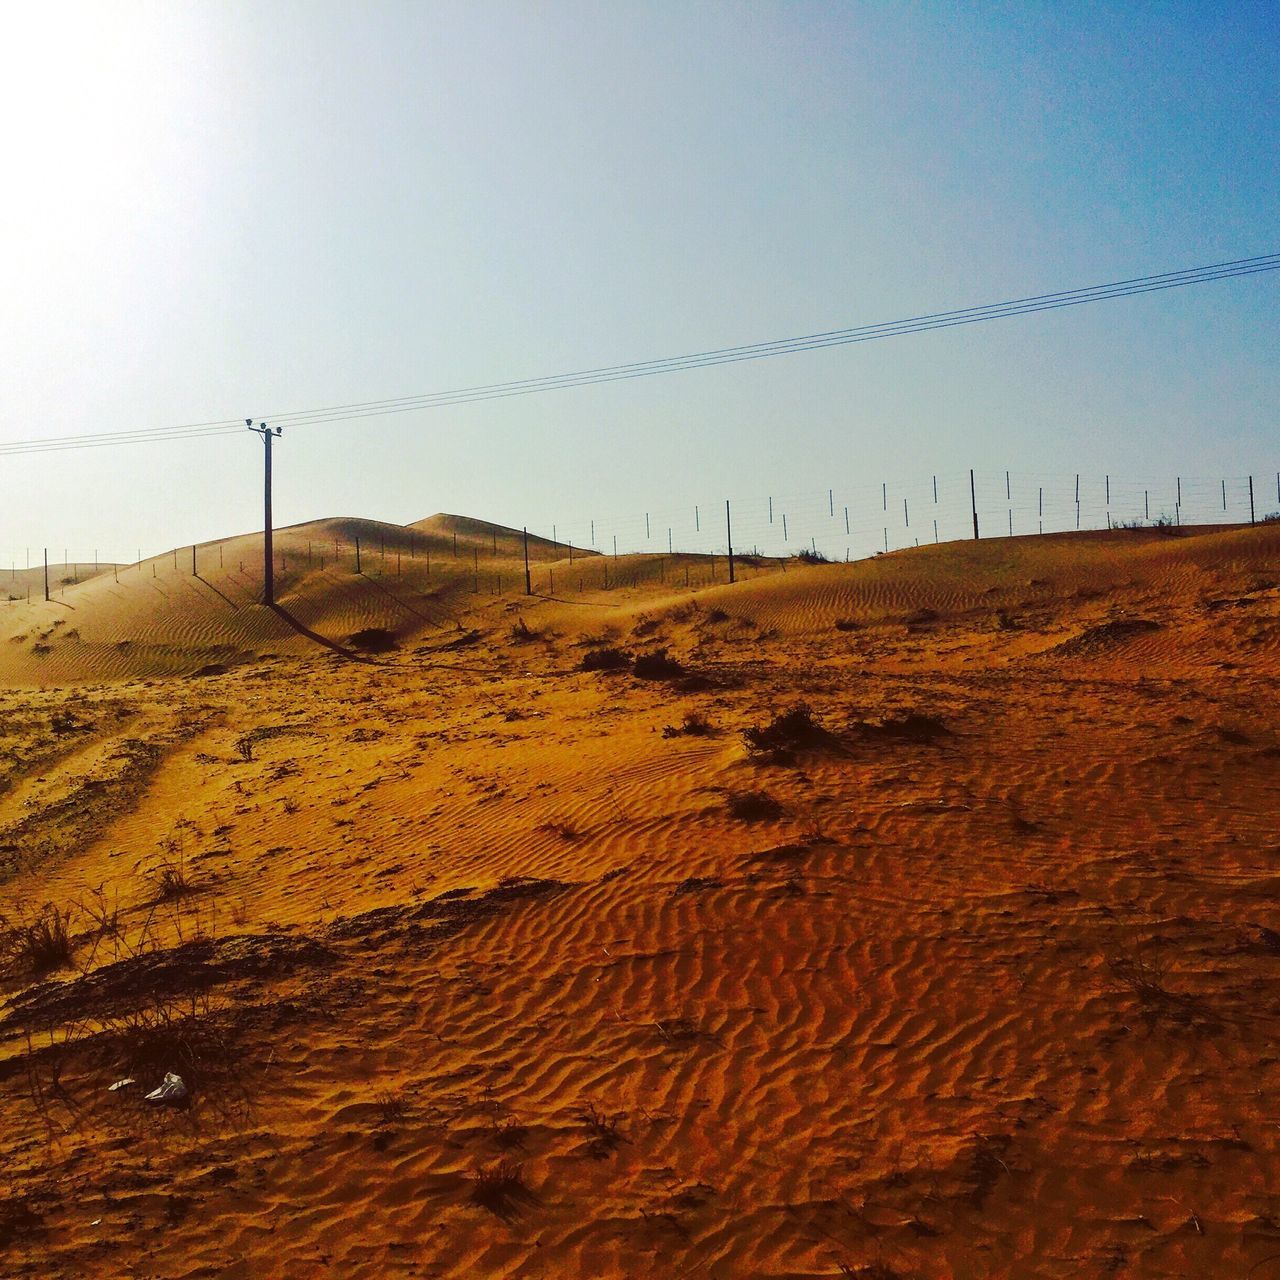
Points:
(46, 573)
(528, 584)
(268, 560)
(728, 529)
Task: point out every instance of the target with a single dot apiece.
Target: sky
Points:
(223, 210)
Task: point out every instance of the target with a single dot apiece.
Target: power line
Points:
(674, 364)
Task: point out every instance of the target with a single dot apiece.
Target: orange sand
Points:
(991, 999)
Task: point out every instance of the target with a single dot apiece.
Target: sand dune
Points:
(481, 963)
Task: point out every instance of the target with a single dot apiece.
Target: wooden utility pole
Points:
(728, 529)
(268, 558)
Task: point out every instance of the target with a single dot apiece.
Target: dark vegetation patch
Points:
(912, 727)
(1099, 639)
(18, 1220)
(36, 944)
(657, 665)
(500, 1188)
(464, 639)
(372, 640)
(696, 884)
(138, 981)
(694, 725)
(787, 733)
(921, 617)
(522, 632)
(607, 658)
(847, 624)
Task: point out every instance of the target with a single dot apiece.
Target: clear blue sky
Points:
(225, 209)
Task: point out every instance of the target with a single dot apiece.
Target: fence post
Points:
(728, 528)
(1251, 519)
(528, 583)
(973, 503)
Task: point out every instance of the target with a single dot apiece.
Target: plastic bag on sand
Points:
(171, 1089)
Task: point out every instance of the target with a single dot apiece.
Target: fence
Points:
(848, 522)
(859, 520)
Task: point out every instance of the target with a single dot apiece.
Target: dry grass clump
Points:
(694, 725)
(36, 944)
(603, 1130)
(172, 880)
(393, 1106)
(500, 1187)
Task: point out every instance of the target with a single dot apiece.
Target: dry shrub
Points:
(372, 640)
(694, 725)
(522, 632)
(606, 659)
(603, 1130)
(38, 944)
(500, 1187)
(657, 666)
(784, 733)
(393, 1106)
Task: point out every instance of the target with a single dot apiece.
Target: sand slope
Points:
(977, 978)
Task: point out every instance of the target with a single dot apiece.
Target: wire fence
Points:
(842, 522)
(853, 521)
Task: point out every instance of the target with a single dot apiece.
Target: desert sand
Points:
(917, 917)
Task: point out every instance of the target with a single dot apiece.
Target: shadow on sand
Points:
(343, 651)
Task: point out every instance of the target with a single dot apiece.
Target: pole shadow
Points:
(301, 628)
(205, 581)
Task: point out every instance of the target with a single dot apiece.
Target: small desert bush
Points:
(846, 624)
(657, 666)
(605, 659)
(522, 632)
(373, 640)
(810, 556)
(694, 725)
(784, 733)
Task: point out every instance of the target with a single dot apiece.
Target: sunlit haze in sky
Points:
(218, 210)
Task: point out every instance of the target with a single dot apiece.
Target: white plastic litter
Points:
(170, 1089)
(121, 1084)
